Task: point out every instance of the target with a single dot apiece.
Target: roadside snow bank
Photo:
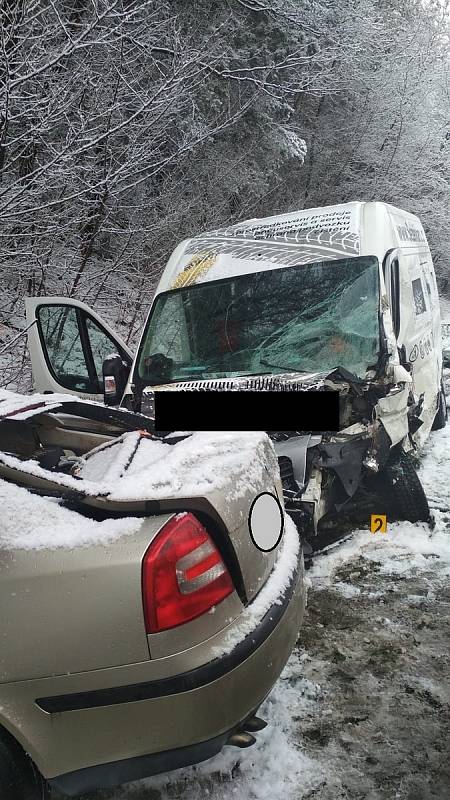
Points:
(30, 522)
(434, 470)
(405, 548)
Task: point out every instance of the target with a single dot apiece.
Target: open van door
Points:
(68, 343)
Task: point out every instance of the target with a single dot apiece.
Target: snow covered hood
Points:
(135, 472)
(137, 468)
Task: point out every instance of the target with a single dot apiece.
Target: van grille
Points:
(290, 382)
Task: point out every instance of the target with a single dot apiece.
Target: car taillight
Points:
(183, 575)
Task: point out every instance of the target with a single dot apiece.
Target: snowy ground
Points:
(362, 709)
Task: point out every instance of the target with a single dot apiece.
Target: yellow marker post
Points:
(378, 523)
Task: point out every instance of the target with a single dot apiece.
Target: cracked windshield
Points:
(309, 318)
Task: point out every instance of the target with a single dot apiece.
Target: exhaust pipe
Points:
(243, 737)
(254, 724)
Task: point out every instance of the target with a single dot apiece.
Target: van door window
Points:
(102, 346)
(430, 282)
(420, 305)
(63, 347)
(74, 347)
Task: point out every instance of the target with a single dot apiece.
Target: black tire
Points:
(19, 778)
(403, 489)
(440, 419)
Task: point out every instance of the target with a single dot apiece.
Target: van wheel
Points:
(441, 417)
(404, 490)
(19, 778)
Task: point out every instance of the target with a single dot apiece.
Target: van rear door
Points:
(68, 343)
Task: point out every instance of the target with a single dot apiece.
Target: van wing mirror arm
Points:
(115, 375)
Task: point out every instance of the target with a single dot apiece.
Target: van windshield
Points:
(309, 318)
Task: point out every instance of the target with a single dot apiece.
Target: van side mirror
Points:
(115, 375)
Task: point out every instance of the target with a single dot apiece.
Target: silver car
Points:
(144, 615)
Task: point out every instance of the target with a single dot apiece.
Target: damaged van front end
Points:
(341, 298)
(368, 464)
(250, 313)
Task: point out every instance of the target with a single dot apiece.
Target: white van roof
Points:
(298, 237)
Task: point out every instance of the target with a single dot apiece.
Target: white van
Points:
(341, 297)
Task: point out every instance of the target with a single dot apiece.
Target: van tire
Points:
(404, 490)
(19, 778)
(441, 417)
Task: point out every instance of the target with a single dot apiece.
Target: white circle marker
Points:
(266, 521)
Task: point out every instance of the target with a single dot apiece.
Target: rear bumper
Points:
(106, 776)
(211, 704)
(98, 739)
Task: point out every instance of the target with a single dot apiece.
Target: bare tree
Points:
(126, 125)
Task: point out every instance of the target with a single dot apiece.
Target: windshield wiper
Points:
(281, 366)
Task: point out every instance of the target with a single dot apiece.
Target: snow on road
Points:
(362, 708)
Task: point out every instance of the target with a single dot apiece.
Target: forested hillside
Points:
(126, 125)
